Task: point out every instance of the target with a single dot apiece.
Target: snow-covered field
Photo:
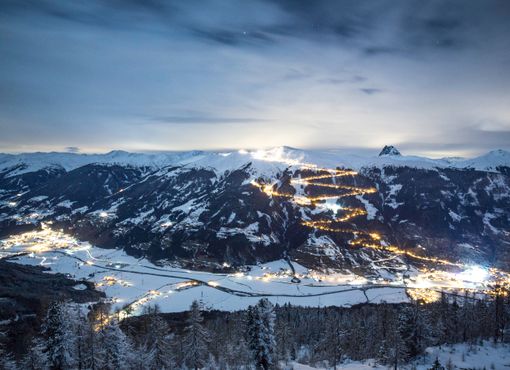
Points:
(457, 356)
(130, 283)
(137, 282)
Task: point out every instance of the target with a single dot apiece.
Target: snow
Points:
(394, 189)
(231, 218)
(369, 207)
(467, 246)
(326, 245)
(193, 209)
(454, 216)
(250, 232)
(487, 161)
(462, 356)
(487, 217)
(80, 210)
(65, 204)
(39, 198)
(140, 218)
(328, 204)
(475, 356)
(30, 162)
(80, 287)
(267, 162)
(127, 280)
(391, 198)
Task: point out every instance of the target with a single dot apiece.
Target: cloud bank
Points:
(430, 76)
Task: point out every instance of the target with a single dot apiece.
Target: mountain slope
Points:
(325, 210)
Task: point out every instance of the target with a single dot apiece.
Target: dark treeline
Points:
(262, 337)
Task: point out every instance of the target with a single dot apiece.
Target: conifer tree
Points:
(59, 336)
(158, 342)
(437, 365)
(117, 347)
(260, 329)
(415, 329)
(35, 358)
(195, 338)
(6, 360)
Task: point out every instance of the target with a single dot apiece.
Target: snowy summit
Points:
(389, 150)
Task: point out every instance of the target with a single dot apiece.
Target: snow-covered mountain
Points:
(389, 150)
(325, 209)
(16, 164)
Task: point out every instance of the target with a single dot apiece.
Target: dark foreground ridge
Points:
(26, 292)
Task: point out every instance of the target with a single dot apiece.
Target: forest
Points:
(265, 336)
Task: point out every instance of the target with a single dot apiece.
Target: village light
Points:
(474, 274)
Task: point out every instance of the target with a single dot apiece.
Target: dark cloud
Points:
(341, 81)
(206, 119)
(233, 37)
(371, 91)
(380, 50)
(72, 149)
(414, 24)
(442, 24)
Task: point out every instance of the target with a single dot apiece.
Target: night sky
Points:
(431, 77)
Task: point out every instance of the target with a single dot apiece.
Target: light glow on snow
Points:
(474, 274)
(130, 284)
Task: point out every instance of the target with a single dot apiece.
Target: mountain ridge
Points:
(31, 162)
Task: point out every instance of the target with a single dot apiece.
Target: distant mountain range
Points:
(325, 209)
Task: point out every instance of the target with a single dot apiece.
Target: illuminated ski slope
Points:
(339, 224)
(426, 282)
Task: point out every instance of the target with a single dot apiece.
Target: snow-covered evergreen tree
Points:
(157, 343)
(81, 329)
(6, 360)
(393, 350)
(335, 337)
(260, 329)
(35, 358)
(117, 347)
(60, 339)
(437, 365)
(284, 338)
(415, 329)
(93, 346)
(196, 338)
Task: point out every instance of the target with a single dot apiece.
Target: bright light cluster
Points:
(474, 274)
(41, 241)
(424, 295)
(112, 280)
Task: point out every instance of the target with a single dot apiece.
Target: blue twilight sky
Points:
(432, 77)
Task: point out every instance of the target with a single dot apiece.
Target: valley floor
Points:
(130, 283)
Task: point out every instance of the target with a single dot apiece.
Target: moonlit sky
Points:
(431, 77)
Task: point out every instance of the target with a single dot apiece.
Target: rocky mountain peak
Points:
(389, 150)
